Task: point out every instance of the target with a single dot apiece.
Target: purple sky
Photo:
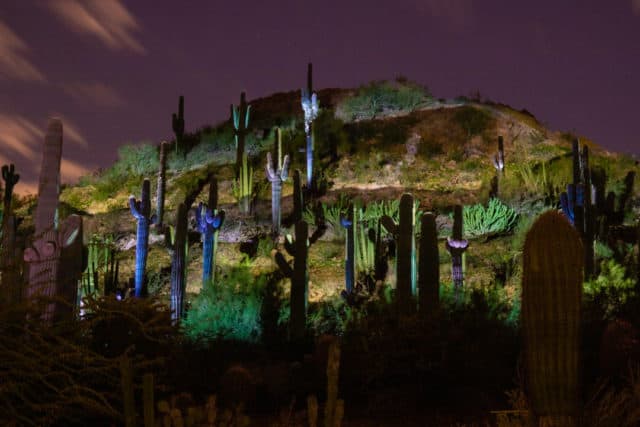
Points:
(113, 69)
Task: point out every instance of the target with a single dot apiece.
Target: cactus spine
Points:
(240, 119)
(162, 184)
(551, 295)
(209, 222)
(141, 211)
(277, 176)
(428, 265)
(456, 246)
(177, 123)
(178, 264)
(404, 234)
(309, 103)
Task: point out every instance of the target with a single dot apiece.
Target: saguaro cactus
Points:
(178, 264)
(245, 186)
(46, 215)
(310, 107)
(551, 295)
(177, 124)
(428, 265)
(162, 184)
(405, 250)
(10, 179)
(498, 159)
(209, 222)
(298, 197)
(141, 210)
(350, 223)
(8, 256)
(240, 119)
(277, 176)
(456, 246)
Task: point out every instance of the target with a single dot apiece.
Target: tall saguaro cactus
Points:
(404, 233)
(10, 179)
(240, 119)
(141, 210)
(456, 246)
(551, 296)
(46, 215)
(209, 222)
(8, 255)
(350, 223)
(177, 124)
(178, 264)
(162, 184)
(277, 175)
(428, 265)
(310, 108)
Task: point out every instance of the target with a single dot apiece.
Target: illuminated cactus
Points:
(498, 159)
(141, 210)
(551, 295)
(309, 103)
(244, 186)
(177, 123)
(178, 264)
(46, 215)
(209, 221)
(350, 223)
(404, 234)
(277, 176)
(240, 119)
(299, 275)
(381, 267)
(162, 184)
(428, 265)
(456, 246)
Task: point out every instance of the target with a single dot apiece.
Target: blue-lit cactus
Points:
(209, 221)
(570, 205)
(277, 175)
(310, 107)
(141, 210)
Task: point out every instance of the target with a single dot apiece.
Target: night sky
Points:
(113, 69)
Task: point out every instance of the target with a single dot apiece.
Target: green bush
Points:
(611, 289)
(473, 120)
(230, 309)
(496, 218)
(379, 97)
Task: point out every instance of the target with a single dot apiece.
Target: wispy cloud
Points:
(635, 7)
(108, 20)
(94, 93)
(20, 136)
(13, 63)
(455, 13)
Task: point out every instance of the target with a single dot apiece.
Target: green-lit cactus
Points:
(404, 234)
(428, 265)
(277, 174)
(240, 119)
(456, 246)
(177, 123)
(551, 295)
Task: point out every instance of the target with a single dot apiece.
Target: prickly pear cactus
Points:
(551, 296)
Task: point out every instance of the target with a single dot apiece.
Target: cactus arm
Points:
(289, 245)
(271, 173)
(389, 224)
(134, 206)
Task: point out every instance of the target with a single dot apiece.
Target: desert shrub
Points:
(611, 289)
(495, 218)
(330, 316)
(473, 120)
(382, 96)
(230, 309)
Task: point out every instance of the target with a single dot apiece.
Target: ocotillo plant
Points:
(299, 275)
(310, 108)
(177, 124)
(404, 234)
(551, 295)
(240, 119)
(456, 246)
(209, 222)
(141, 210)
(428, 265)
(178, 264)
(162, 184)
(244, 186)
(350, 223)
(277, 176)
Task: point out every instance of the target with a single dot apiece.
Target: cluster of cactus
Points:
(209, 221)
(551, 296)
(309, 102)
(493, 219)
(277, 174)
(101, 260)
(404, 233)
(240, 120)
(141, 210)
(298, 248)
(177, 124)
(456, 246)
